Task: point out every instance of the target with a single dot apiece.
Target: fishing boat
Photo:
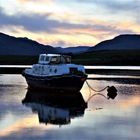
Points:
(55, 72)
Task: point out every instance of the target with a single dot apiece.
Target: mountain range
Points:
(10, 45)
(121, 42)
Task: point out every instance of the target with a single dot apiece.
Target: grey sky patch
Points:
(115, 4)
(32, 22)
(129, 8)
(35, 22)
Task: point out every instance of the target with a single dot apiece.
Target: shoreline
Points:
(17, 69)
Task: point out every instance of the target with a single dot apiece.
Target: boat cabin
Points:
(53, 59)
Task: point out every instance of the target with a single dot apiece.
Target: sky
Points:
(66, 23)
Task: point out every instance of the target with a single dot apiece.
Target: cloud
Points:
(43, 23)
(37, 1)
(113, 9)
(127, 9)
(119, 5)
(32, 22)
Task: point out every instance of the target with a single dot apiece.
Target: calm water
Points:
(24, 116)
(114, 67)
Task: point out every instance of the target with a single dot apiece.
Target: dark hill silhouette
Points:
(10, 45)
(121, 42)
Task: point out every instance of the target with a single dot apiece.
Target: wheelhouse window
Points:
(47, 58)
(68, 59)
(53, 60)
(42, 57)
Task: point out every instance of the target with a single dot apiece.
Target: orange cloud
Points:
(133, 26)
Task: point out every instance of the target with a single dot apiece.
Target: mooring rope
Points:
(96, 90)
(90, 88)
(96, 94)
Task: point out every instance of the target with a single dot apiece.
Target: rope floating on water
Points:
(96, 90)
(96, 94)
(112, 92)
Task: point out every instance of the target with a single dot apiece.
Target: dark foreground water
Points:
(25, 115)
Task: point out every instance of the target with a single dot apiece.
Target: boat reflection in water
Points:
(55, 108)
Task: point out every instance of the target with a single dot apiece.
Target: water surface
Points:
(114, 67)
(21, 112)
